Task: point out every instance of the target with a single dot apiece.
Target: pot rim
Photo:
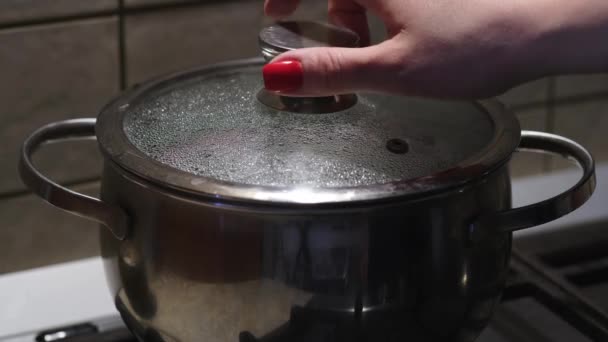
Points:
(288, 209)
(115, 146)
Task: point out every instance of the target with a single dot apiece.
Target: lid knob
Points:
(290, 35)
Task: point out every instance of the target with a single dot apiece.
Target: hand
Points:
(446, 48)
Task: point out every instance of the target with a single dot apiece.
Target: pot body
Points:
(194, 270)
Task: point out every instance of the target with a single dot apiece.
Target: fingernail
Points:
(283, 76)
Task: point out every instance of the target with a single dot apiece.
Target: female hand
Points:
(446, 48)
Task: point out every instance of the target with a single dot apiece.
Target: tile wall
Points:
(63, 59)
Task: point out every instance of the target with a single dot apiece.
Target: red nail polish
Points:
(283, 76)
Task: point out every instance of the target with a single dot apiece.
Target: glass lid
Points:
(215, 132)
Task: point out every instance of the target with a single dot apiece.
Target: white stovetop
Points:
(75, 292)
(53, 296)
(536, 188)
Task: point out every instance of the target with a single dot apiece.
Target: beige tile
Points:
(36, 234)
(526, 163)
(23, 10)
(533, 92)
(376, 28)
(311, 10)
(50, 73)
(165, 41)
(581, 84)
(534, 119)
(586, 124)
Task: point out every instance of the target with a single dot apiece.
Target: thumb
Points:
(332, 71)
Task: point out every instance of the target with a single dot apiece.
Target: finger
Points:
(331, 71)
(280, 8)
(349, 14)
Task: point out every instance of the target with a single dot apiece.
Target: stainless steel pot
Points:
(190, 257)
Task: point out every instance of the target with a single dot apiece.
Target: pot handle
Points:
(113, 217)
(553, 208)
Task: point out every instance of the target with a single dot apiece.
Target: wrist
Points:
(569, 36)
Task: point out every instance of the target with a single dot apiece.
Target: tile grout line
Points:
(122, 57)
(564, 101)
(99, 14)
(550, 118)
(56, 19)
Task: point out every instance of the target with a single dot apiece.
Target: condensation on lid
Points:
(212, 126)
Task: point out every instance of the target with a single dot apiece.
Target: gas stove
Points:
(557, 290)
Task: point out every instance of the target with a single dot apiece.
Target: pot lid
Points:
(215, 132)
